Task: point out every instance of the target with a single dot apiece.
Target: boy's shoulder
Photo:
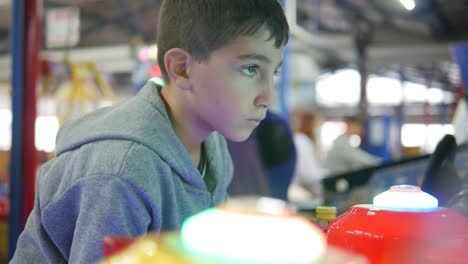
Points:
(141, 119)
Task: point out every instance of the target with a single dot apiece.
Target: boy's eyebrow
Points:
(254, 56)
(258, 57)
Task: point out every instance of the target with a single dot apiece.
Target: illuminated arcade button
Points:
(245, 230)
(405, 198)
(403, 225)
(259, 230)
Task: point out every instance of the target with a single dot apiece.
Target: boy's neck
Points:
(182, 123)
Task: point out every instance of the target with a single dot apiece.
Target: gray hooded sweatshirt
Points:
(119, 171)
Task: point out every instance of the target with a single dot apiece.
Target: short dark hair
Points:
(203, 26)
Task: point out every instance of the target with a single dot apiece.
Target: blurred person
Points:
(277, 152)
(150, 162)
(306, 184)
(264, 164)
(345, 154)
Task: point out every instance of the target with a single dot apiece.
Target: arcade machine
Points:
(403, 225)
(243, 230)
(340, 189)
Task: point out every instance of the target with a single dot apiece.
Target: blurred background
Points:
(395, 64)
(404, 56)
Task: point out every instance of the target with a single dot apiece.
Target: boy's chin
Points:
(238, 137)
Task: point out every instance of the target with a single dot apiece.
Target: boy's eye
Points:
(250, 70)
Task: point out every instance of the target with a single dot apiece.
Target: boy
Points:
(147, 164)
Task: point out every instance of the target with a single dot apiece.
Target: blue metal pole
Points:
(317, 14)
(17, 82)
(460, 54)
(400, 112)
(284, 83)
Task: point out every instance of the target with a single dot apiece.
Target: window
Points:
(384, 91)
(424, 136)
(414, 93)
(341, 88)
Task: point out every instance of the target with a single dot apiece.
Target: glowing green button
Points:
(253, 238)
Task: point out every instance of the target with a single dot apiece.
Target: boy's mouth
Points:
(256, 120)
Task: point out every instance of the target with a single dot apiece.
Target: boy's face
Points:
(233, 87)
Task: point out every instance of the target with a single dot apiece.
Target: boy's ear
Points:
(177, 62)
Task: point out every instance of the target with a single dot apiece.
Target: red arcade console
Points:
(403, 225)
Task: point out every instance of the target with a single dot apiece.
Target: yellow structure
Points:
(83, 91)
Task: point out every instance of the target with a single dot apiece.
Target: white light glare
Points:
(46, 131)
(251, 237)
(405, 198)
(408, 4)
(5, 129)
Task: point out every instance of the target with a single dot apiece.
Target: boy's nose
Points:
(266, 92)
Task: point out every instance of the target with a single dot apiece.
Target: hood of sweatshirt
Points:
(144, 119)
